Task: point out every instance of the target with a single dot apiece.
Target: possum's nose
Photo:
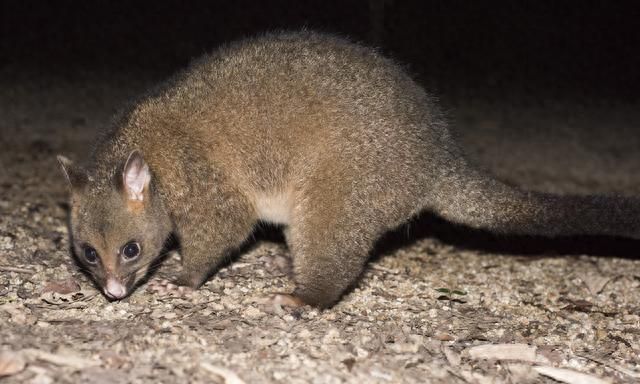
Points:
(114, 289)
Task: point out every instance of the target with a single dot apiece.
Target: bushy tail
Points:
(470, 197)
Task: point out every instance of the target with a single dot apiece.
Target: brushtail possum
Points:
(324, 136)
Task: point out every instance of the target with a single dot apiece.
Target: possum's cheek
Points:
(132, 281)
(142, 272)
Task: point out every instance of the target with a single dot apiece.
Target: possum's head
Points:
(118, 223)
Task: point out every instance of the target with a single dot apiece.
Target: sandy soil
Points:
(540, 304)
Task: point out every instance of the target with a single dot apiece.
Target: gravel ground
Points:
(523, 310)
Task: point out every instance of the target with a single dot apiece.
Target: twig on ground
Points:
(5, 268)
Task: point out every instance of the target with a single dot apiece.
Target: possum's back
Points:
(301, 84)
(278, 104)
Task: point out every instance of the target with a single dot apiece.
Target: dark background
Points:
(556, 48)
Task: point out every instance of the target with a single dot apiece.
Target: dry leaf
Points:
(520, 352)
(569, 376)
(70, 300)
(62, 286)
(595, 283)
(10, 363)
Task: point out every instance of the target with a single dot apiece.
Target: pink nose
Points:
(114, 289)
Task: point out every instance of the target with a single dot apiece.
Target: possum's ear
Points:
(75, 175)
(136, 177)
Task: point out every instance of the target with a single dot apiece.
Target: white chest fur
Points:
(274, 208)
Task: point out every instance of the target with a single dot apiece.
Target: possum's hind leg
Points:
(330, 237)
(326, 261)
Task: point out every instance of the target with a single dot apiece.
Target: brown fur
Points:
(327, 136)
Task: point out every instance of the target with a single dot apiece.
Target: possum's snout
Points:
(114, 289)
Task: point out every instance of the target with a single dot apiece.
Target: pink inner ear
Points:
(136, 178)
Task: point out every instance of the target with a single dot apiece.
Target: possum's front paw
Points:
(286, 300)
(188, 280)
(165, 287)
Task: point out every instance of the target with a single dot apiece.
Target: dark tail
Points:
(473, 198)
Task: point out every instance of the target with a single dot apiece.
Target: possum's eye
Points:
(131, 250)
(90, 254)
